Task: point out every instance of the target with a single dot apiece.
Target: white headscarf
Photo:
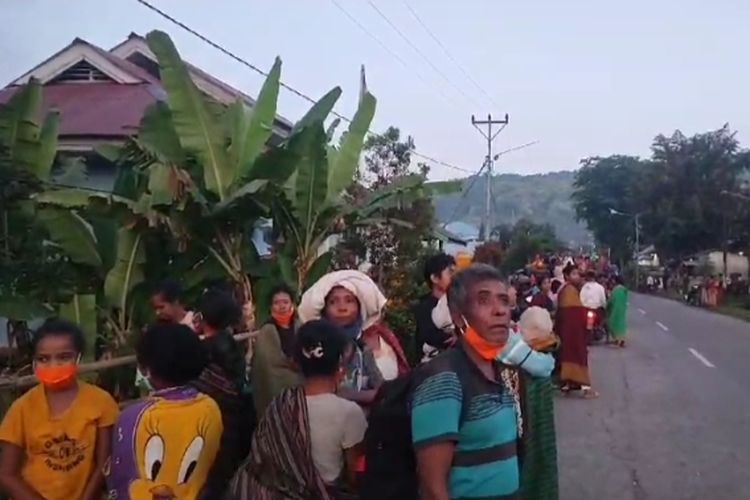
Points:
(371, 300)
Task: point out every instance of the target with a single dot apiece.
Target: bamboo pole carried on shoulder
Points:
(24, 381)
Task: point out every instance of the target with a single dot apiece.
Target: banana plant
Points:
(213, 176)
(63, 237)
(316, 206)
(29, 251)
(317, 211)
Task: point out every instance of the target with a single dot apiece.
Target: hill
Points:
(541, 198)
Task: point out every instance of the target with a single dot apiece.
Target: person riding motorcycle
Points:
(594, 298)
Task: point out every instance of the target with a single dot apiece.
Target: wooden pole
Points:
(29, 380)
(106, 364)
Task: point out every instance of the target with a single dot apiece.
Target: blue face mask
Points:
(354, 330)
(518, 353)
(142, 381)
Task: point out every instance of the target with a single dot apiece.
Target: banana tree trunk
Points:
(244, 295)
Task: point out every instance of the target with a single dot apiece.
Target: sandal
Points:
(589, 393)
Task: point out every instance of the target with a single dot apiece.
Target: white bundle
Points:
(535, 323)
(441, 315)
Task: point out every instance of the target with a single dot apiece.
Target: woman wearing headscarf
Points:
(272, 368)
(353, 302)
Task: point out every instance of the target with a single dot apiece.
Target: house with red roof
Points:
(102, 94)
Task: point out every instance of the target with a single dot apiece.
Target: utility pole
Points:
(637, 250)
(490, 136)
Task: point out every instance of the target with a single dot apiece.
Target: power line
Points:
(370, 34)
(420, 53)
(227, 52)
(515, 148)
(395, 55)
(463, 195)
(448, 53)
(441, 162)
(478, 174)
(289, 88)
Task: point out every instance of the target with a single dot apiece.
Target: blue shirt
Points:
(454, 401)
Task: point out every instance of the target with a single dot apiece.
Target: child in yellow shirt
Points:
(164, 445)
(55, 439)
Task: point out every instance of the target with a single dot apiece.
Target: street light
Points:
(637, 240)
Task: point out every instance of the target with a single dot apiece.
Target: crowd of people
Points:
(325, 405)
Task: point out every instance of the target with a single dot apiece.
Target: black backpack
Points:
(391, 466)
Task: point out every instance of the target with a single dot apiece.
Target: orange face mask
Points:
(485, 349)
(284, 320)
(57, 377)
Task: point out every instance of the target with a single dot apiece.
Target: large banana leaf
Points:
(247, 193)
(206, 271)
(80, 198)
(277, 164)
(160, 177)
(19, 131)
(81, 310)
(105, 230)
(196, 125)
(387, 196)
(312, 177)
(47, 146)
(288, 271)
(23, 308)
(319, 111)
(73, 234)
(260, 125)
(344, 165)
(317, 269)
(128, 269)
(158, 136)
(235, 120)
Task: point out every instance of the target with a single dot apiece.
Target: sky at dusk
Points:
(581, 77)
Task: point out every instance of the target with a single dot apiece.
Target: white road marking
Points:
(641, 311)
(701, 358)
(662, 326)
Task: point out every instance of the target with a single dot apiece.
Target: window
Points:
(81, 72)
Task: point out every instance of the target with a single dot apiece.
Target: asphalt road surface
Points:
(673, 418)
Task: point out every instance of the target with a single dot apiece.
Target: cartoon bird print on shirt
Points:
(174, 455)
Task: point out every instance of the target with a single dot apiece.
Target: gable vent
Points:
(81, 72)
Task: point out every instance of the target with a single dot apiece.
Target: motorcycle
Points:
(693, 295)
(595, 330)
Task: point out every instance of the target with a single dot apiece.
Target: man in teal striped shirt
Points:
(465, 407)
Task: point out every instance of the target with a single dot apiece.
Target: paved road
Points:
(673, 419)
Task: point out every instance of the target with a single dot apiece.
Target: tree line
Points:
(690, 195)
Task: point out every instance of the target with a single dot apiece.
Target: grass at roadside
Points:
(735, 310)
(734, 306)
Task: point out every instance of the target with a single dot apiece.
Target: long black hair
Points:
(319, 348)
(221, 311)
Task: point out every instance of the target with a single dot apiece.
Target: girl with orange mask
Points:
(272, 369)
(55, 439)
